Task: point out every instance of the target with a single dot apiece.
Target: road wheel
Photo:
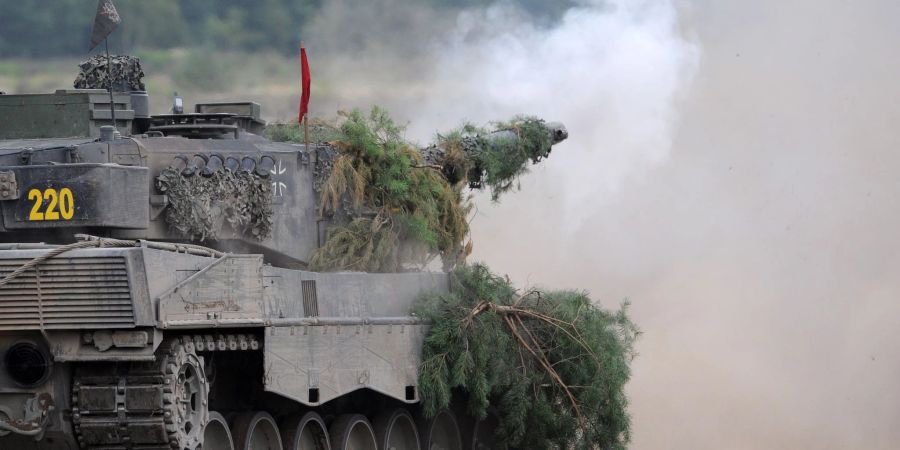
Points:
(483, 433)
(441, 432)
(306, 432)
(217, 436)
(352, 432)
(396, 430)
(255, 431)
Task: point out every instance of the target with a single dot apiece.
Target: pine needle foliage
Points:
(284, 132)
(497, 158)
(320, 131)
(395, 193)
(553, 364)
(403, 212)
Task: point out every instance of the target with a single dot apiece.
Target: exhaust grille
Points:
(66, 293)
(310, 300)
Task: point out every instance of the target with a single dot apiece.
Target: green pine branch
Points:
(552, 363)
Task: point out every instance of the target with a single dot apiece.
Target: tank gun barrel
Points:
(558, 132)
(463, 155)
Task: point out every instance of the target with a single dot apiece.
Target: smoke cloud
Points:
(732, 168)
(609, 70)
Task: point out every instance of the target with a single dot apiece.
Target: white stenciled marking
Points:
(278, 186)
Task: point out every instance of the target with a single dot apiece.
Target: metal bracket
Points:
(158, 203)
(25, 156)
(9, 187)
(72, 155)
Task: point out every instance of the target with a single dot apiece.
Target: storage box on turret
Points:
(65, 113)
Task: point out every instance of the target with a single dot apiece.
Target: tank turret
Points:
(207, 176)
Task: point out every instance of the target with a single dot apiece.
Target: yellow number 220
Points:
(64, 200)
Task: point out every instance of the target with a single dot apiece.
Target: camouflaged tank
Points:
(154, 292)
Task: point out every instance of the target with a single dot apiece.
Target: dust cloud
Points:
(733, 169)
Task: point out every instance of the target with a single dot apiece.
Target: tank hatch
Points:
(211, 121)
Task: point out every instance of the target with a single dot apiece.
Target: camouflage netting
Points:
(126, 70)
(200, 207)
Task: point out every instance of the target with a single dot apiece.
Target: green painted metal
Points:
(64, 113)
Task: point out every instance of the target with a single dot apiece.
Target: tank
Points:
(155, 290)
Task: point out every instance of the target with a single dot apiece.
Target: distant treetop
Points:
(34, 28)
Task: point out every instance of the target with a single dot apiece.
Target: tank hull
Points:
(263, 338)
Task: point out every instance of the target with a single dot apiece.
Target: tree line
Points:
(39, 28)
(34, 28)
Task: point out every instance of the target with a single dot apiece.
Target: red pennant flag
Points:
(304, 73)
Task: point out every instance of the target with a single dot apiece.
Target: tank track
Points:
(123, 409)
(141, 406)
(136, 405)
